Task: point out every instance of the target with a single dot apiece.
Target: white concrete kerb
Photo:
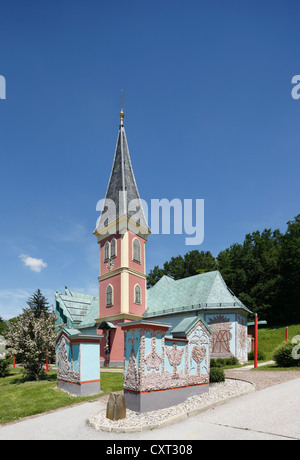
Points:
(219, 393)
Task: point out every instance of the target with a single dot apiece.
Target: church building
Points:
(122, 234)
(122, 240)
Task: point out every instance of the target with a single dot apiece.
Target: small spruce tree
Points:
(38, 304)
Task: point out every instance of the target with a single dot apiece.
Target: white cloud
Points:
(34, 264)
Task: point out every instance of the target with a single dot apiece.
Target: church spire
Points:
(122, 188)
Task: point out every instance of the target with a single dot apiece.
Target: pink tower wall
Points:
(137, 309)
(115, 282)
(117, 335)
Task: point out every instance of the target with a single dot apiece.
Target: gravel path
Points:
(134, 421)
(262, 379)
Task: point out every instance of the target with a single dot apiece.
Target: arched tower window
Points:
(137, 294)
(106, 250)
(136, 250)
(113, 248)
(109, 295)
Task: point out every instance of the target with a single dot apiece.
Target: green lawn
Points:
(270, 338)
(274, 367)
(20, 398)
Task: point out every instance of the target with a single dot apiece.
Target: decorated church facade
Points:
(123, 295)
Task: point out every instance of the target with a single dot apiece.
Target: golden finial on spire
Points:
(121, 103)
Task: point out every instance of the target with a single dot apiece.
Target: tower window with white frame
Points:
(137, 294)
(113, 248)
(136, 250)
(109, 295)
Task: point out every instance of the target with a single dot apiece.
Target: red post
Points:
(47, 362)
(14, 361)
(255, 341)
(287, 334)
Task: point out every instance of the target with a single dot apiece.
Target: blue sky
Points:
(208, 114)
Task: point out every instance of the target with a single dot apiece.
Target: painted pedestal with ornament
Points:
(78, 362)
(163, 370)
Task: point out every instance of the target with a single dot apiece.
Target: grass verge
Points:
(20, 398)
(274, 367)
(270, 338)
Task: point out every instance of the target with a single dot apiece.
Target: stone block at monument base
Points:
(116, 407)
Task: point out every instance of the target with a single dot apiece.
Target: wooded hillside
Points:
(263, 272)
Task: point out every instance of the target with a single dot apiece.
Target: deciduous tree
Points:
(28, 339)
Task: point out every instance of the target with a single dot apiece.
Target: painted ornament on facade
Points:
(64, 367)
(242, 338)
(221, 328)
(132, 376)
(154, 380)
(167, 366)
(198, 354)
(175, 357)
(153, 359)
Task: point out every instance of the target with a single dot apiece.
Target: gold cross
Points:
(122, 99)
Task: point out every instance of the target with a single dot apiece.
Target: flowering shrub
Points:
(28, 338)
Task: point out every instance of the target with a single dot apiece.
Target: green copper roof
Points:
(79, 309)
(199, 292)
(71, 332)
(89, 318)
(184, 327)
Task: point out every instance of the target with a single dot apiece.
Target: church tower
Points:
(122, 232)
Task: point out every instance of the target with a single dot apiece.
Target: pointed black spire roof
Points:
(122, 188)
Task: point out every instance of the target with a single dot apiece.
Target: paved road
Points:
(269, 414)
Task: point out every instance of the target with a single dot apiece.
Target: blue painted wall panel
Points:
(90, 361)
(76, 365)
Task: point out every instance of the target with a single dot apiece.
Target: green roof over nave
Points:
(204, 291)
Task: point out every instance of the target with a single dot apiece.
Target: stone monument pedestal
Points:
(163, 370)
(78, 362)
